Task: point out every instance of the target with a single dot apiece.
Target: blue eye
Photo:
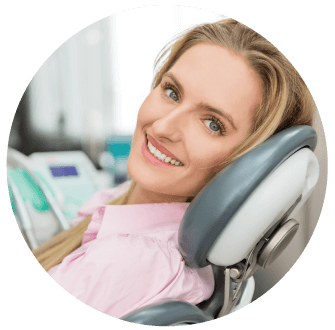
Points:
(170, 91)
(172, 95)
(213, 126)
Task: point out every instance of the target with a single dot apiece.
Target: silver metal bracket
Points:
(238, 274)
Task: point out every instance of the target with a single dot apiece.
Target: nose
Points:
(171, 125)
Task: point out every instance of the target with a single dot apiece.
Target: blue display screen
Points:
(59, 171)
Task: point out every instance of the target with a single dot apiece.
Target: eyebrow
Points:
(202, 105)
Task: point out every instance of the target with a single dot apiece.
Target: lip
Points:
(152, 159)
(160, 147)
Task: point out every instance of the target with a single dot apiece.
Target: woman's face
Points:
(202, 109)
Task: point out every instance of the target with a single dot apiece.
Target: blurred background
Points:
(90, 89)
(79, 112)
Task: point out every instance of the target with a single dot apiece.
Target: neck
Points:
(140, 195)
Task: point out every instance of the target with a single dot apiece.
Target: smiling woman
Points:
(222, 90)
(180, 115)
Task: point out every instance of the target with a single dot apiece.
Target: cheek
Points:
(207, 161)
(203, 157)
(143, 111)
(150, 108)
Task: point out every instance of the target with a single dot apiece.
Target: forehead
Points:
(210, 59)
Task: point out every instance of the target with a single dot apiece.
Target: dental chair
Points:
(240, 221)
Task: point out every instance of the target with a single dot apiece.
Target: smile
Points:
(157, 157)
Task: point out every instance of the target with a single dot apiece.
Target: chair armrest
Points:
(167, 314)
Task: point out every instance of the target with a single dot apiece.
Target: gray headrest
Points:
(217, 203)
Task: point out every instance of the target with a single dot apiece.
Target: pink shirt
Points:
(130, 258)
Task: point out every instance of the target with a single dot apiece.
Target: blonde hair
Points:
(286, 102)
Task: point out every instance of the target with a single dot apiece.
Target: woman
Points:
(222, 90)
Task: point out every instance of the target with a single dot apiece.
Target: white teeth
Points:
(161, 156)
(157, 153)
(151, 148)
